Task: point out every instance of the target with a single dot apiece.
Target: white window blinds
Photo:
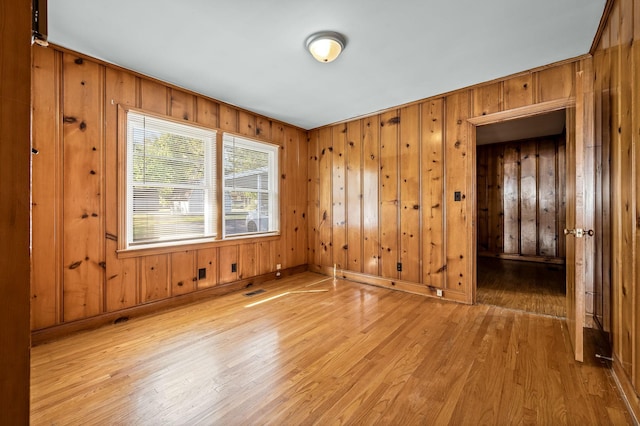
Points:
(250, 171)
(171, 175)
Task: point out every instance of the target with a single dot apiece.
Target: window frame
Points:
(125, 198)
(124, 250)
(273, 150)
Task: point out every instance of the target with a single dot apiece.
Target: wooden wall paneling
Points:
(279, 248)
(83, 174)
(207, 112)
(496, 201)
(297, 199)
(389, 196)
(247, 261)
(410, 200)
(326, 191)
(154, 96)
(370, 195)
(511, 239)
(246, 124)
(483, 154)
(556, 82)
(300, 214)
(182, 105)
(154, 277)
(635, 145)
(339, 215)
(488, 99)
(313, 204)
(432, 186)
(547, 209)
(46, 271)
(460, 167)
(121, 278)
(518, 91)
(183, 272)
(626, 24)
(354, 153)
(263, 128)
(265, 261)
(561, 199)
(228, 256)
(15, 209)
(228, 118)
(627, 188)
(528, 199)
(207, 259)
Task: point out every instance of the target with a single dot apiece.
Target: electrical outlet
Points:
(202, 273)
(439, 292)
(278, 266)
(234, 267)
(457, 196)
(399, 266)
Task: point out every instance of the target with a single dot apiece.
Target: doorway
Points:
(521, 213)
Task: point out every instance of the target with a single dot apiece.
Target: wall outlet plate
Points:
(439, 292)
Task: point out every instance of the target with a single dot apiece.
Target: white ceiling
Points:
(250, 53)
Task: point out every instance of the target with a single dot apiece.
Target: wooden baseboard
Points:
(62, 330)
(523, 258)
(626, 389)
(406, 286)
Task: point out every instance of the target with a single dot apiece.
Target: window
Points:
(250, 186)
(170, 181)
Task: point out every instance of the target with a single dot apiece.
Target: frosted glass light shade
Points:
(325, 46)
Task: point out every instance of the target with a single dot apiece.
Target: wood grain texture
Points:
(121, 289)
(46, 197)
(317, 359)
(82, 179)
(432, 187)
(154, 277)
(410, 202)
(521, 190)
(389, 195)
(459, 172)
(183, 272)
(354, 197)
(338, 196)
(526, 286)
(78, 271)
(207, 259)
(15, 209)
(371, 195)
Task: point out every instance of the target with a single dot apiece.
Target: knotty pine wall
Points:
(381, 188)
(521, 199)
(76, 272)
(617, 125)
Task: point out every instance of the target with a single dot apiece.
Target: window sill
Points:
(166, 248)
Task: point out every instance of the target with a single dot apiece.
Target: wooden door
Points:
(575, 234)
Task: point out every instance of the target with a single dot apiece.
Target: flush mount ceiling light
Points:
(325, 46)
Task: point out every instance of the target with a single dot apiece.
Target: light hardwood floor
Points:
(527, 286)
(344, 353)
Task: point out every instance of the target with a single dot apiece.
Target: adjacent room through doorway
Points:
(521, 214)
